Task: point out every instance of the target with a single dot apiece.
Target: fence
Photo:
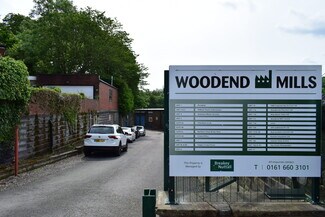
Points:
(42, 134)
(243, 189)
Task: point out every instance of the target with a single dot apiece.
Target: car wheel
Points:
(119, 150)
(126, 147)
(87, 153)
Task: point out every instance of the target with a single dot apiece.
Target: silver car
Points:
(103, 137)
(129, 132)
(142, 131)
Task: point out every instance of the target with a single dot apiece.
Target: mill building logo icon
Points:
(264, 81)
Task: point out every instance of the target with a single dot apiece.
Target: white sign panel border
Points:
(203, 87)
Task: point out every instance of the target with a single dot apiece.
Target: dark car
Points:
(136, 131)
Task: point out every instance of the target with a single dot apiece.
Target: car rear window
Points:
(101, 130)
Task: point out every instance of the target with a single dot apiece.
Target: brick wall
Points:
(108, 97)
(88, 105)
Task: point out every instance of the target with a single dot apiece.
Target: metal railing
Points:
(242, 189)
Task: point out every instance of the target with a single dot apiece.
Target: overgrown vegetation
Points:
(55, 102)
(14, 96)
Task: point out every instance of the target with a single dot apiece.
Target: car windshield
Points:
(139, 128)
(101, 130)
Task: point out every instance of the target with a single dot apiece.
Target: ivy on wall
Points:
(14, 96)
(55, 102)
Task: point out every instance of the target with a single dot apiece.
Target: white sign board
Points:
(245, 121)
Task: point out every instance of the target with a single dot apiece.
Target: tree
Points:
(126, 99)
(156, 98)
(10, 28)
(14, 22)
(141, 99)
(7, 38)
(46, 7)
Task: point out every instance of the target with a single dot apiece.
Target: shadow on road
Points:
(104, 155)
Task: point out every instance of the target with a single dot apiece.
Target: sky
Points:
(212, 32)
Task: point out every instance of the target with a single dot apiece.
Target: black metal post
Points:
(169, 182)
(171, 191)
(315, 190)
(166, 130)
(207, 184)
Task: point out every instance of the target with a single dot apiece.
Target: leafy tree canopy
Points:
(155, 98)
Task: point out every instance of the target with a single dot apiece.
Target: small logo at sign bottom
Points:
(222, 165)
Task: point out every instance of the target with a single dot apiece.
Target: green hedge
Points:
(14, 96)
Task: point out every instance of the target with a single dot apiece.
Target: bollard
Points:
(149, 203)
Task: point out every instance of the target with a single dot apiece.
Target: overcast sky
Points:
(213, 32)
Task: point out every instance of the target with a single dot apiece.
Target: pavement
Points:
(36, 162)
